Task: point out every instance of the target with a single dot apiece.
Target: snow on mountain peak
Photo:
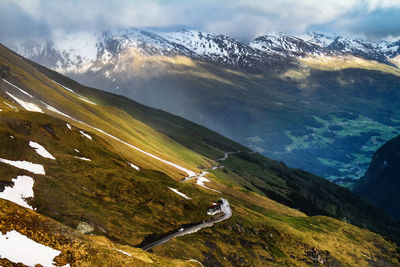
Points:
(285, 45)
(82, 45)
(323, 39)
(202, 43)
(313, 43)
(82, 51)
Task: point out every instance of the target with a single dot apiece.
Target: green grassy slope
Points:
(105, 192)
(310, 194)
(129, 206)
(76, 249)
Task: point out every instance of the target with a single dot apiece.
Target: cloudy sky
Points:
(241, 19)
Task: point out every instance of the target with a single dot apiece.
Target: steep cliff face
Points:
(381, 183)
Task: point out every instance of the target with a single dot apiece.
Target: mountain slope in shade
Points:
(381, 183)
(92, 186)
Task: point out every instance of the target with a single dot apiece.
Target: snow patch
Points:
(69, 126)
(179, 193)
(41, 150)
(76, 150)
(26, 105)
(72, 91)
(10, 106)
(134, 166)
(85, 135)
(66, 88)
(22, 91)
(87, 100)
(83, 158)
(196, 261)
(201, 180)
(25, 165)
(123, 252)
(18, 248)
(58, 112)
(22, 189)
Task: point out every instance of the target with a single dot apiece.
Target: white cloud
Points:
(239, 18)
(376, 4)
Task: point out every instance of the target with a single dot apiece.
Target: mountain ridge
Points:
(266, 49)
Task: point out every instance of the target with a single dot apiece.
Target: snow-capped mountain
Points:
(79, 52)
(313, 43)
(64, 53)
(194, 44)
(286, 45)
(381, 50)
(220, 49)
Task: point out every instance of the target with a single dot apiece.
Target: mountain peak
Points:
(285, 45)
(319, 38)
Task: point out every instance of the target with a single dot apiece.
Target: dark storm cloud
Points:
(242, 19)
(16, 24)
(378, 24)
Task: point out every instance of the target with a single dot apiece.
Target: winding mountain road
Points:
(226, 155)
(226, 209)
(200, 179)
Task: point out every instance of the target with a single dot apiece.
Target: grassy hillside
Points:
(76, 249)
(131, 207)
(273, 240)
(105, 192)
